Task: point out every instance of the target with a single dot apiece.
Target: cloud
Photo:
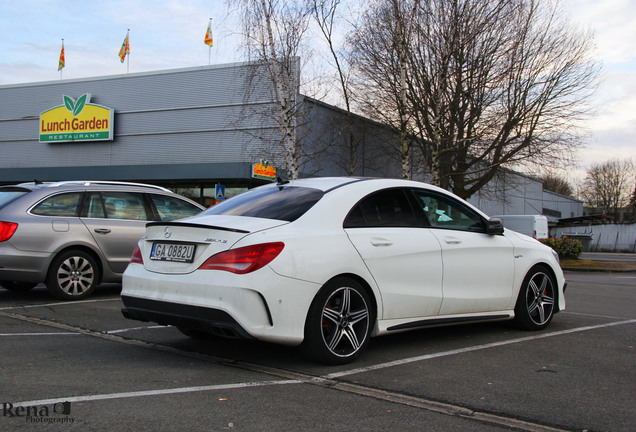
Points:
(613, 128)
(164, 35)
(613, 24)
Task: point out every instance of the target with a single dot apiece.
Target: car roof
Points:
(347, 187)
(327, 184)
(321, 183)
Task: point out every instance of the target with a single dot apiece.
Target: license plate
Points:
(177, 252)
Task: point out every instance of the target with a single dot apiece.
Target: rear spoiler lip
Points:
(193, 225)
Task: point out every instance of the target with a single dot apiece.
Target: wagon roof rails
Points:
(104, 182)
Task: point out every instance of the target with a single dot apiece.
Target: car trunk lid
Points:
(182, 246)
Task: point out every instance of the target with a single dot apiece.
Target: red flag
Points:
(208, 36)
(62, 62)
(125, 48)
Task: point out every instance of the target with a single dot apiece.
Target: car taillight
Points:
(244, 260)
(136, 256)
(6, 230)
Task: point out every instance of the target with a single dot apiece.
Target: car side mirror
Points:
(495, 226)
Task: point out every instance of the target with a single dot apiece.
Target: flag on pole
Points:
(208, 35)
(62, 62)
(125, 48)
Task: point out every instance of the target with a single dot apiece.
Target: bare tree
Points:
(607, 186)
(380, 44)
(556, 184)
(274, 31)
(491, 83)
(325, 15)
(632, 205)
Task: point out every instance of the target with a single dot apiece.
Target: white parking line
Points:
(471, 349)
(157, 392)
(41, 334)
(615, 318)
(135, 328)
(56, 304)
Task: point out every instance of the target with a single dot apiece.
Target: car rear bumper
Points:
(21, 266)
(213, 321)
(261, 305)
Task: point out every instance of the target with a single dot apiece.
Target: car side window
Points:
(171, 208)
(387, 208)
(445, 212)
(124, 205)
(95, 206)
(63, 204)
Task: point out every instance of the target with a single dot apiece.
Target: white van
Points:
(531, 225)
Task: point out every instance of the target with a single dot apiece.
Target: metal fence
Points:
(601, 238)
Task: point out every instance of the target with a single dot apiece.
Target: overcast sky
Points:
(167, 34)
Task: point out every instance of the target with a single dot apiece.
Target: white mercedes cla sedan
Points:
(327, 263)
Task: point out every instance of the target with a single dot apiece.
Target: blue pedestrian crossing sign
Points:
(220, 192)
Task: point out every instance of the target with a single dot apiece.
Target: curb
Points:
(597, 270)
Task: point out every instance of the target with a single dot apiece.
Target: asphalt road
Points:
(82, 366)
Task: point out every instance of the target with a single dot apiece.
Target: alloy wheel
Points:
(75, 275)
(540, 298)
(345, 322)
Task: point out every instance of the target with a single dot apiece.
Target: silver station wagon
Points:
(75, 235)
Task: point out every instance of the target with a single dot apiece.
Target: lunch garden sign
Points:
(77, 120)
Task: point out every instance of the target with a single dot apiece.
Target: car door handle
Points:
(452, 240)
(102, 230)
(381, 242)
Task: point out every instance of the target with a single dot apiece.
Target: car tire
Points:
(536, 300)
(18, 287)
(339, 322)
(73, 275)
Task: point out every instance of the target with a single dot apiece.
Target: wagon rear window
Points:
(8, 195)
(65, 204)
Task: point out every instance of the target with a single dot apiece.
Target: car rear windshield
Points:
(280, 203)
(8, 195)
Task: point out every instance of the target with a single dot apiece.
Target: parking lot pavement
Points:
(115, 373)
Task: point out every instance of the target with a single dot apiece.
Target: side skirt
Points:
(435, 322)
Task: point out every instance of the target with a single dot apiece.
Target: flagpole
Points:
(210, 46)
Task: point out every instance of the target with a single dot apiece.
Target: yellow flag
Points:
(62, 61)
(208, 35)
(125, 48)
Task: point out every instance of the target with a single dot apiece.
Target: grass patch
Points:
(580, 264)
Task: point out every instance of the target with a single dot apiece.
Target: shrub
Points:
(565, 246)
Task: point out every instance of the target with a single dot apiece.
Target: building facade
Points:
(178, 128)
(193, 129)
(516, 194)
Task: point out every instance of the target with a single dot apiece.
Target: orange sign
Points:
(264, 171)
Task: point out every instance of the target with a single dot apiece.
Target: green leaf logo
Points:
(69, 103)
(75, 107)
(79, 105)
